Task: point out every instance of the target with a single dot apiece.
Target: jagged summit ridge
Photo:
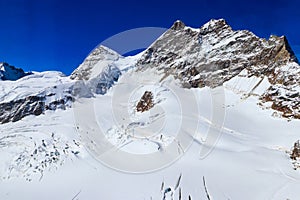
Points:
(214, 25)
(9, 72)
(215, 52)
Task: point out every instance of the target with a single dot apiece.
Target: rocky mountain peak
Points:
(216, 53)
(178, 25)
(9, 72)
(214, 25)
(285, 51)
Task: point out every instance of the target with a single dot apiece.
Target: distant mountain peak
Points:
(214, 25)
(87, 68)
(178, 25)
(9, 72)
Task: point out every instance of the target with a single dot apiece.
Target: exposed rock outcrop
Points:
(32, 105)
(146, 102)
(8, 72)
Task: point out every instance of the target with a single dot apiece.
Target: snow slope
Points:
(248, 161)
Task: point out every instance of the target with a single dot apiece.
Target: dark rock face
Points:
(295, 154)
(32, 105)
(8, 72)
(16, 110)
(146, 102)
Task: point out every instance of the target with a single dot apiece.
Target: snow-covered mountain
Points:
(215, 53)
(8, 72)
(229, 92)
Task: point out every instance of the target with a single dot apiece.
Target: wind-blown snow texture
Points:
(44, 156)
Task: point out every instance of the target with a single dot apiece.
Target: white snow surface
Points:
(32, 85)
(249, 160)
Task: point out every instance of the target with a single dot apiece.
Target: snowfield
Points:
(249, 160)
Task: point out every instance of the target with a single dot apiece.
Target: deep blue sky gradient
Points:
(57, 35)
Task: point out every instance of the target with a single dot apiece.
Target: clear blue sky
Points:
(43, 35)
